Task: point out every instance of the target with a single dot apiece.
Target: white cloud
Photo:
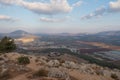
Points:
(97, 13)
(10, 2)
(45, 19)
(77, 4)
(5, 18)
(115, 6)
(52, 7)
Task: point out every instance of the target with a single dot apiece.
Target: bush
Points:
(23, 60)
(114, 76)
(7, 45)
(99, 72)
(41, 73)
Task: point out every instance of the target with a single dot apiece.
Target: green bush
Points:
(23, 60)
(41, 73)
(7, 45)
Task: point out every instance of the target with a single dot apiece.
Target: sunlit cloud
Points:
(115, 6)
(48, 8)
(6, 18)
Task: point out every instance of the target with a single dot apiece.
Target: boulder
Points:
(58, 73)
(53, 63)
(70, 64)
(4, 73)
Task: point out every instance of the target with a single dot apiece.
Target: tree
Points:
(7, 44)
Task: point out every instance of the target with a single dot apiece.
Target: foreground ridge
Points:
(43, 68)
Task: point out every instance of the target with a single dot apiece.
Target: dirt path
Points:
(20, 77)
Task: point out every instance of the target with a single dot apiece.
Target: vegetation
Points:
(99, 72)
(41, 73)
(59, 50)
(83, 56)
(98, 62)
(7, 45)
(114, 76)
(23, 60)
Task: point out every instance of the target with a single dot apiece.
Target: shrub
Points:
(23, 60)
(41, 73)
(36, 60)
(7, 45)
(62, 61)
(99, 72)
(114, 76)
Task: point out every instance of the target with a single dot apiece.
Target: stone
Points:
(22, 68)
(57, 73)
(71, 65)
(4, 72)
(53, 63)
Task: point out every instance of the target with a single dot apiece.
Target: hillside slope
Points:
(42, 68)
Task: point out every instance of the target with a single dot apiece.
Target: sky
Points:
(59, 16)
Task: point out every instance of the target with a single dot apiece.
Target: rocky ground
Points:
(43, 68)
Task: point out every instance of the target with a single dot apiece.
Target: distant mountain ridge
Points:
(22, 33)
(19, 33)
(104, 33)
(109, 33)
(16, 34)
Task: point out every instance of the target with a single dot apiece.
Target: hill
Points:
(109, 33)
(17, 34)
(43, 68)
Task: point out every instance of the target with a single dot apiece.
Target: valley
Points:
(65, 49)
(103, 54)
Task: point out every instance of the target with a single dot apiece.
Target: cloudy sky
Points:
(59, 16)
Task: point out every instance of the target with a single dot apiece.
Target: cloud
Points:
(77, 4)
(45, 19)
(11, 2)
(97, 13)
(6, 18)
(48, 8)
(54, 7)
(115, 6)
